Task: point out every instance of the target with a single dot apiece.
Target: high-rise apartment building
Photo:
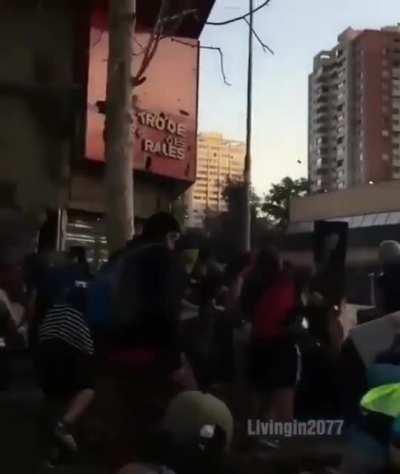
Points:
(354, 111)
(219, 161)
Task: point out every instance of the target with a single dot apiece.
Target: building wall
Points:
(354, 107)
(87, 193)
(361, 200)
(219, 161)
(36, 50)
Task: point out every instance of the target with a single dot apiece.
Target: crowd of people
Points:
(143, 354)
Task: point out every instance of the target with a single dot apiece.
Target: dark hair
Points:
(264, 274)
(159, 225)
(78, 252)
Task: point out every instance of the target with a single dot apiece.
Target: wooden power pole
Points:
(119, 120)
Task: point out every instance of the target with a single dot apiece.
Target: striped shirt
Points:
(67, 324)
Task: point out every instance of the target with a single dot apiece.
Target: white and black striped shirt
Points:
(67, 324)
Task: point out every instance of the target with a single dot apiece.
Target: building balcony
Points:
(321, 109)
(321, 118)
(396, 162)
(322, 98)
(322, 128)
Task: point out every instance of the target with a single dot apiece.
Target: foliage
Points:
(276, 204)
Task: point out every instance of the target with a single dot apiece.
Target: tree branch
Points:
(151, 47)
(239, 18)
(221, 57)
(264, 46)
(211, 48)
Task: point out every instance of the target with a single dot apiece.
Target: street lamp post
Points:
(247, 167)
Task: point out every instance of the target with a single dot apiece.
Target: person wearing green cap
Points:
(374, 441)
(194, 436)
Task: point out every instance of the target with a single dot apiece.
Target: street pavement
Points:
(22, 449)
(21, 443)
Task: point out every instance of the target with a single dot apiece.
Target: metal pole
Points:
(247, 166)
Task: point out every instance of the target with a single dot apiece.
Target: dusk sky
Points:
(296, 30)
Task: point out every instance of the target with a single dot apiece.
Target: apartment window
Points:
(385, 133)
(396, 111)
(396, 146)
(198, 197)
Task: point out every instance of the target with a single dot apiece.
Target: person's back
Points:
(359, 351)
(148, 297)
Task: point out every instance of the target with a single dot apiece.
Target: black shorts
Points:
(63, 370)
(274, 365)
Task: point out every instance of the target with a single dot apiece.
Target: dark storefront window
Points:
(87, 230)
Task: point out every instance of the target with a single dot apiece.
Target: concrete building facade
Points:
(354, 111)
(219, 161)
(49, 172)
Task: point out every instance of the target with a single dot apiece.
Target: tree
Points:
(118, 130)
(118, 106)
(276, 204)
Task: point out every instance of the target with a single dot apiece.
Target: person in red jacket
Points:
(269, 297)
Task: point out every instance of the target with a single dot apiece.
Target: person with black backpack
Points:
(145, 348)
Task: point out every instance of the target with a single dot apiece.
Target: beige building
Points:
(219, 161)
(354, 111)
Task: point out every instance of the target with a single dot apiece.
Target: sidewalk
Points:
(21, 449)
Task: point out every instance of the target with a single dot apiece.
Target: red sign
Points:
(165, 105)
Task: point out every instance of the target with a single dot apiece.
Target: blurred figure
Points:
(195, 436)
(269, 298)
(145, 357)
(8, 330)
(77, 256)
(374, 439)
(317, 394)
(388, 283)
(368, 340)
(66, 365)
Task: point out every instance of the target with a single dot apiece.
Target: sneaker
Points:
(65, 437)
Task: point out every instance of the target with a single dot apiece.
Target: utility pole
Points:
(247, 167)
(118, 129)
